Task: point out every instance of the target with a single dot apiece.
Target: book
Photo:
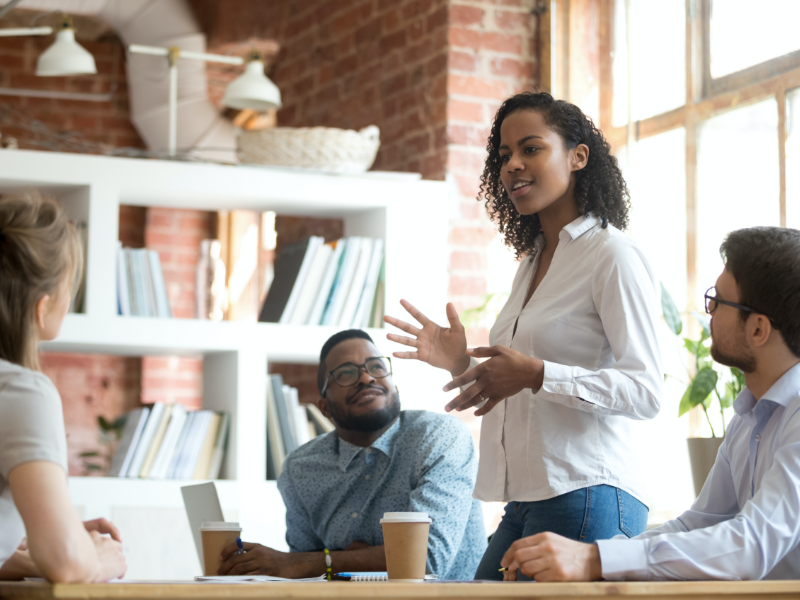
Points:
(276, 451)
(78, 302)
(321, 423)
(153, 421)
(282, 408)
(324, 291)
(361, 318)
(134, 425)
(300, 416)
(180, 447)
(313, 244)
(356, 287)
(376, 316)
(155, 444)
(341, 284)
(312, 284)
(131, 290)
(144, 258)
(163, 309)
(220, 445)
(123, 291)
(287, 268)
(168, 445)
(207, 448)
(194, 444)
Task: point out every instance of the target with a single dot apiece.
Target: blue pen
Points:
(240, 545)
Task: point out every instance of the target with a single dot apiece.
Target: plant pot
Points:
(702, 454)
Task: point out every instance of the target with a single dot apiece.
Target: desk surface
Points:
(748, 590)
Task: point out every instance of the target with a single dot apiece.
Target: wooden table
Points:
(747, 590)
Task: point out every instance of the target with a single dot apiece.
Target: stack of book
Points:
(289, 424)
(338, 284)
(164, 441)
(141, 290)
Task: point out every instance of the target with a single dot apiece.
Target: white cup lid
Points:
(220, 525)
(405, 517)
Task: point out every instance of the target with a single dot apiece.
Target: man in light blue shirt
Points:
(380, 459)
(746, 522)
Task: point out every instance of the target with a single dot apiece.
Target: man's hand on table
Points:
(551, 557)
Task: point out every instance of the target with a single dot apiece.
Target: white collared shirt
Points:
(746, 522)
(592, 321)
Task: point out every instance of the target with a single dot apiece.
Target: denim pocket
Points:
(631, 513)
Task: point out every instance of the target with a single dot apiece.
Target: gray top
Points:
(31, 428)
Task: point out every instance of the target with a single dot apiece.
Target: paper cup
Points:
(405, 539)
(216, 535)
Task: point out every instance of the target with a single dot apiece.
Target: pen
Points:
(502, 569)
(240, 545)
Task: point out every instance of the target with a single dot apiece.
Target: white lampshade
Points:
(65, 57)
(252, 89)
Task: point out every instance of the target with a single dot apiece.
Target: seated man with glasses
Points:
(746, 522)
(379, 459)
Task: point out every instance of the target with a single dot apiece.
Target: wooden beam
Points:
(781, 98)
(606, 46)
(545, 42)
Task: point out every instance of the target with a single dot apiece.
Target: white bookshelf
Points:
(409, 214)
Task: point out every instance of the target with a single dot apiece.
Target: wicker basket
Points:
(323, 148)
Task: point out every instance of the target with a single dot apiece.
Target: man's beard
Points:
(369, 422)
(745, 361)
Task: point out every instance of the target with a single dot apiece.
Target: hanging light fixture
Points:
(252, 89)
(65, 56)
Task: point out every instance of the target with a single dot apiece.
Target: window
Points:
(700, 101)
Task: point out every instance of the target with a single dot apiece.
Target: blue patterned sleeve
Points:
(444, 490)
(300, 534)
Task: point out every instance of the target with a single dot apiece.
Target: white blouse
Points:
(592, 320)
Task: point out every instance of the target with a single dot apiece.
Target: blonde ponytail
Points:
(40, 254)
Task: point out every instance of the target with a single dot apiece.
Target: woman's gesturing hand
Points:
(444, 348)
(506, 373)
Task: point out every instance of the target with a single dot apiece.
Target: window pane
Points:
(658, 60)
(793, 159)
(657, 182)
(745, 33)
(737, 180)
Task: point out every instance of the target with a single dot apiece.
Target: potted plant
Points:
(705, 380)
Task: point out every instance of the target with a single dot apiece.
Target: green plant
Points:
(492, 305)
(99, 461)
(705, 375)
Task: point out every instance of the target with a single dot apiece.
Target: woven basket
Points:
(323, 148)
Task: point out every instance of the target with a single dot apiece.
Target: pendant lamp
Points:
(65, 56)
(252, 89)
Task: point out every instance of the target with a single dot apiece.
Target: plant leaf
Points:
(684, 405)
(670, 311)
(119, 423)
(691, 346)
(104, 425)
(704, 321)
(92, 467)
(702, 385)
(92, 454)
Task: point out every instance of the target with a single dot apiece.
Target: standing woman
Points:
(573, 353)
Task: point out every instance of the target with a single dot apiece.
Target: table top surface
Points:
(387, 590)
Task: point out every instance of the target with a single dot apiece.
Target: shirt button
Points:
(354, 515)
(758, 437)
(367, 477)
(368, 450)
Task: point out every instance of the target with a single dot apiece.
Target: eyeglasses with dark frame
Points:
(712, 301)
(347, 374)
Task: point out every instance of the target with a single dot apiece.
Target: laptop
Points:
(202, 504)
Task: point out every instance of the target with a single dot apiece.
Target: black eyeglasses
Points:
(347, 374)
(712, 301)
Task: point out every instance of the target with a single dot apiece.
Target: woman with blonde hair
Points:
(40, 255)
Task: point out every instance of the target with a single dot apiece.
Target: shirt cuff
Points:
(557, 379)
(623, 559)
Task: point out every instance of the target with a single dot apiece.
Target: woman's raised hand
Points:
(444, 348)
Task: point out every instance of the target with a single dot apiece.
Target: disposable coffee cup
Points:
(405, 541)
(216, 535)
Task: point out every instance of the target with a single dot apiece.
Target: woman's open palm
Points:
(445, 348)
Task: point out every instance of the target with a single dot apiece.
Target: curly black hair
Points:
(599, 186)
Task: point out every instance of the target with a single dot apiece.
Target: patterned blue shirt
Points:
(336, 493)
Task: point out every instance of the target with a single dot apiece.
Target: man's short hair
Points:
(765, 262)
(333, 341)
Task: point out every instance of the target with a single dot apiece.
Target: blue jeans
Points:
(594, 513)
